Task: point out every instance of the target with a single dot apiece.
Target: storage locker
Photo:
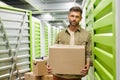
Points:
(104, 43)
(36, 40)
(46, 39)
(14, 43)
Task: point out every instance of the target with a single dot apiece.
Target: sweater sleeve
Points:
(89, 50)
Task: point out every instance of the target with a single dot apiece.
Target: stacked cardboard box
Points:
(39, 71)
(31, 76)
(63, 59)
(47, 77)
(40, 67)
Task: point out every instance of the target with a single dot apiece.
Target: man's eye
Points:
(72, 16)
(77, 17)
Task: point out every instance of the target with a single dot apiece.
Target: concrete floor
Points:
(84, 78)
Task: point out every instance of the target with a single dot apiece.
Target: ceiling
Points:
(52, 11)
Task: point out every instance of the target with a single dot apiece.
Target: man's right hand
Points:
(49, 69)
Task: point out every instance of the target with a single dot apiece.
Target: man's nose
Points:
(74, 18)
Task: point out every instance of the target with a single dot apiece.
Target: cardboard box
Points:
(47, 77)
(40, 67)
(31, 76)
(66, 59)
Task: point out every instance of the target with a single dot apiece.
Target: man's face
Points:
(74, 18)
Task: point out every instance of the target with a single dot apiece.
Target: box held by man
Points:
(67, 59)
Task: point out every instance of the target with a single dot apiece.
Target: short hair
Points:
(76, 9)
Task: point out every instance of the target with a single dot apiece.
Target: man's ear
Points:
(80, 18)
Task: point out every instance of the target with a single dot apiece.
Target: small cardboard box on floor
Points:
(40, 67)
(31, 76)
(67, 59)
(47, 77)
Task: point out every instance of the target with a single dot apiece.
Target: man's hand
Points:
(84, 71)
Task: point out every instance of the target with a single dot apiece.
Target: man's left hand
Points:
(84, 71)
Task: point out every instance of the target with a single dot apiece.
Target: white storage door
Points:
(14, 44)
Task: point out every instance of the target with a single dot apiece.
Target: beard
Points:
(74, 23)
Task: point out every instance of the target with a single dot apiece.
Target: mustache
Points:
(74, 21)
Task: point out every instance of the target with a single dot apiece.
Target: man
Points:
(75, 35)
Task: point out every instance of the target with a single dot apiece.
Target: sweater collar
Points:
(75, 31)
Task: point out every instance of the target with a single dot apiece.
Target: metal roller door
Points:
(46, 40)
(14, 43)
(36, 41)
(104, 40)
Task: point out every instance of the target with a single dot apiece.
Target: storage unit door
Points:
(14, 43)
(104, 40)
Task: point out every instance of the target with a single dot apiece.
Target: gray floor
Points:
(91, 72)
(84, 78)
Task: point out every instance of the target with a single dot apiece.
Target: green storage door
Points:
(36, 42)
(104, 40)
(46, 40)
(14, 43)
